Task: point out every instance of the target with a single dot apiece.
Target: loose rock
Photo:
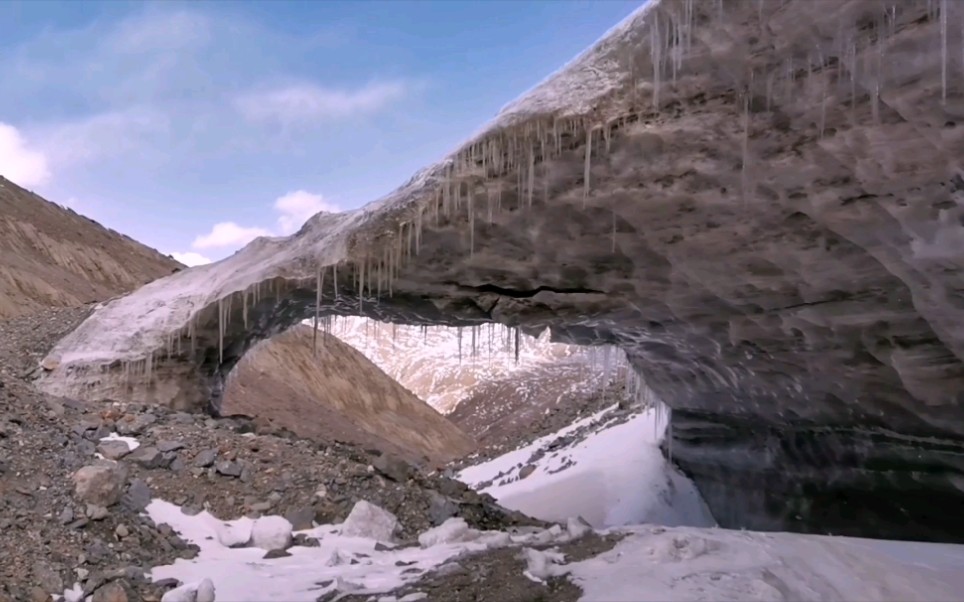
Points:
(100, 484)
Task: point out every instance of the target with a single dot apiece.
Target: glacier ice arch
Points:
(760, 202)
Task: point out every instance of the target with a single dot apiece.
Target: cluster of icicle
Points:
(507, 167)
(490, 341)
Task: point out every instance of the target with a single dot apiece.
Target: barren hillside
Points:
(337, 394)
(51, 256)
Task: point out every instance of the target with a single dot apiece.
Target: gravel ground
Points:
(53, 535)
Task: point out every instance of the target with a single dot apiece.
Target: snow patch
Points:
(242, 574)
(132, 442)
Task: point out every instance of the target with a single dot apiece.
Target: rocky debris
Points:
(392, 467)
(113, 449)
(88, 523)
(148, 456)
(115, 591)
(497, 435)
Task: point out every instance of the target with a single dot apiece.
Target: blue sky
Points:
(195, 126)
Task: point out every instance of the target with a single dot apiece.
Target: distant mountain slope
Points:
(51, 256)
(440, 365)
(338, 394)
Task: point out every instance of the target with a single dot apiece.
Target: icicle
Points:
(746, 146)
(943, 51)
(531, 176)
(220, 332)
(459, 336)
(655, 56)
(418, 230)
(334, 280)
(518, 337)
(319, 282)
(410, 241)
(769, 91)
(471, 209)
(588, 164)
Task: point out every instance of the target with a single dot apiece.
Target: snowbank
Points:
(614, 475)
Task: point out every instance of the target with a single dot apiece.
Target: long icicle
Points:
(943, 51)
(314, 330)
(585, 175)
(220, 332)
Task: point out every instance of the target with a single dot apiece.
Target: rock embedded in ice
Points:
(368, 520)
(271, 533)
(454, 530)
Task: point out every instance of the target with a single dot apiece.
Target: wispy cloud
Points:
(306, 102)
(296, 207)
(293, 208)
(190, 258)
(100, 136)
(18, 161)
(161, 77)
(172, 97)
(228, 234)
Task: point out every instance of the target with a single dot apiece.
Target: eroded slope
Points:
(331, 392)
(51, 256)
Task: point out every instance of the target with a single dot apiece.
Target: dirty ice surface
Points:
(606, 468)
(659, 564)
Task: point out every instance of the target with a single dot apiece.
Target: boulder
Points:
(370, 521)
(100, 484)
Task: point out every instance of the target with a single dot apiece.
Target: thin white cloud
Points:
(156, 79)
(228, 234)
(160, 31)
(100, 136)
(296, 207)
(19, 162)
(306, 103)
(190, 258)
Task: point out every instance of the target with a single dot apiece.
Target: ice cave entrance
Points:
(603, 461)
